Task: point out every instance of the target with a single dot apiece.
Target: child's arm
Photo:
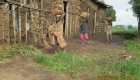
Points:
(87, 17)
(63, 14)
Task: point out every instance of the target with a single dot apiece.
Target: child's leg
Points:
(86, 36)
(82, 37)
(55, 47)
(111, 37)
(107, 38)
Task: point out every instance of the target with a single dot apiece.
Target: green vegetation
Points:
(118, 30)
(111, 66)
(127, 68)
(133, 46)
(23, 50)
(127, 34)
(1, 57)
(65, 62)
(136, 9)
(106, 64)
(110, 12)
(18, 49)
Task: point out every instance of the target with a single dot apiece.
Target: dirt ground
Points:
(25, 68)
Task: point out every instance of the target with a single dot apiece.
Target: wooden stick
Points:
(27, 6)
(26, 27)
(3, 28)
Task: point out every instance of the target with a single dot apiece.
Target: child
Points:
(109, 30)
(84, 29)
(57, 39)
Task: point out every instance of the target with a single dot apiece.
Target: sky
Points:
(123, 17)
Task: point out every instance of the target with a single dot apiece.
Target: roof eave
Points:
(103, 4)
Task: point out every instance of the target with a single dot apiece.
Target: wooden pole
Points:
(94, 22)
(67, 18)
(8, 25)
(26, 27)
(3, 27)
(13, 15)
(70, 18)
(19, 27)
(13, 2)
(75, 18)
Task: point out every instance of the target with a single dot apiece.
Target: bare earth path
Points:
(25, 68)
(97, 44)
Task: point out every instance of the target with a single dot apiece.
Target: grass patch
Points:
(111, 66)
(97, 65)
(133, 46)
(124, 68)
(70, 63)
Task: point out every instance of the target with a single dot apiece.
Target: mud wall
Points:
(4, 24)
(97, 14)
(30, 25)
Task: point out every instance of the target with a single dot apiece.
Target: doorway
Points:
(65, 8)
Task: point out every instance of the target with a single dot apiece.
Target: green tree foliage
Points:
(136, 9)
(135, 6)
(110, 12)
(102, 1)
(130, 26)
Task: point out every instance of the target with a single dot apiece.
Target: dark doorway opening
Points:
(65, 10)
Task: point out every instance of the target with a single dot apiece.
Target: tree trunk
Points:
(139, 28)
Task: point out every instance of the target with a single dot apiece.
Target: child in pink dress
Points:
(84, 30)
